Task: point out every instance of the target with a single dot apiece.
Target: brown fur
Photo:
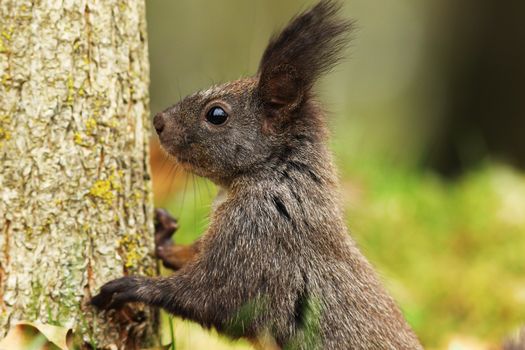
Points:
(277, 264)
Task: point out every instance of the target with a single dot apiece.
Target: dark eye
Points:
(216, 115)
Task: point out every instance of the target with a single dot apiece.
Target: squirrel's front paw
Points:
(114, 294)
(165, 227)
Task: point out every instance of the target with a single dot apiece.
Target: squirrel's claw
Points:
(114, 294)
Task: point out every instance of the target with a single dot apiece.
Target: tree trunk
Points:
(75, 194)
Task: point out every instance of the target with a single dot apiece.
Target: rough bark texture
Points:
(75, 199)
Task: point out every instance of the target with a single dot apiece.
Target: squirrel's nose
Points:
(158, 122)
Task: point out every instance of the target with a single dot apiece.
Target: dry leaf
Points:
(35, 336)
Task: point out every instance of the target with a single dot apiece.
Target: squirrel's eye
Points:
(216, 115)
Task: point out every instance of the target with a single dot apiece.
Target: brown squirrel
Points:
(276, 265)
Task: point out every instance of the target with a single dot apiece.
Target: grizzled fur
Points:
(276, 264)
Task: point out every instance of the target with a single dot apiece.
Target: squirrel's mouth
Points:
(177, 154)
(186, 157)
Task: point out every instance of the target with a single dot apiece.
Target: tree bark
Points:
(75, 195)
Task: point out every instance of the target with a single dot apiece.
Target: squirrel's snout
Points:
(158, 122)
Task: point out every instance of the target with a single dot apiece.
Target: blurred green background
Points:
(428, 129)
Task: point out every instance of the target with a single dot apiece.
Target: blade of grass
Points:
(173, 346)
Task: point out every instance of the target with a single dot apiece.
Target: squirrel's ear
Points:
(280, 88)
(309, 46)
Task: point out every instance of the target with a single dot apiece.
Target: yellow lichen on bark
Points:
(75, 194)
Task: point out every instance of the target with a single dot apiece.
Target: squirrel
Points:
(276, 265)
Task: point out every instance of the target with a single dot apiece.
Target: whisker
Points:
(178, 89)
(207, 188)
(206, 200)
(172, 173)
(194, 203)
(183, 194)
(163, 163)
(197, 184)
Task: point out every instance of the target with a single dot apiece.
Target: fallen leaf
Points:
(36, 336)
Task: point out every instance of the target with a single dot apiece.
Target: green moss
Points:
(6, 33)
(78, 139)
(4, 134)
(91, 125)
(33, 307)
(41, 305)
(102, 189)
(115, 181)
(6, 79)
(130, 247)
(138, 197)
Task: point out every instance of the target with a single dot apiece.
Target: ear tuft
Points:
(309, 46)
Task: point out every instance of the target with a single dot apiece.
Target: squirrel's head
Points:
(241, 126)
